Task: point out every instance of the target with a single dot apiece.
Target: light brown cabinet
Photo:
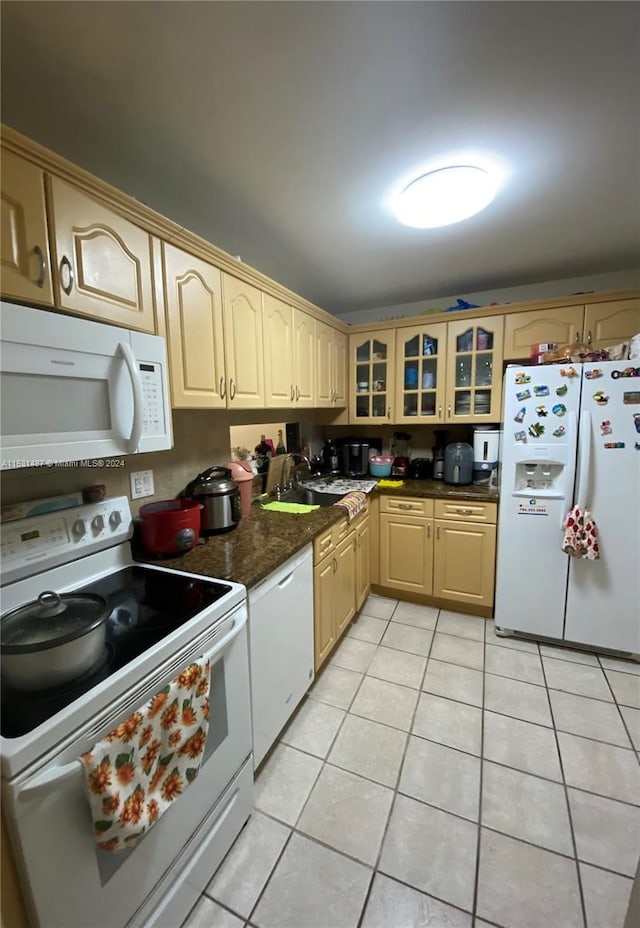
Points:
(372, 377)
(304, 359)
(406, 544)
(443, 549)
(598, 324)
(334, 587)
(474, 370)
(277, 321)
(421, 357)
(331, 366)
(363, 560)
(103, 262)
(195, 335)
(243, 343)
(464, 552)
(24, 240)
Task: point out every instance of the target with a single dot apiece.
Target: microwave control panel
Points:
(153, 403)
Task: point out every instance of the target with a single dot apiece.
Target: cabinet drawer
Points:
(329, 540)
(407, 505)
(465, 510)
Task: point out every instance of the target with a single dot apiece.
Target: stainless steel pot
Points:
(219, 495)
(52, 640)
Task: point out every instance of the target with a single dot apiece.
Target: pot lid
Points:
(216, 480)
(50, 620)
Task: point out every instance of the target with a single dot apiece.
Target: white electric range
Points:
(160, 621)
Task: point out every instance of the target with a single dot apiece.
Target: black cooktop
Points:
(146, 605)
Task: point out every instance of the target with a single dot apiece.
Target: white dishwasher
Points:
(280, 647)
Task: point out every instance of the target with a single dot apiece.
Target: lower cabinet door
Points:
(464, 562)
(363, 563)
(345, 588)
(323, 609)
(406, 553)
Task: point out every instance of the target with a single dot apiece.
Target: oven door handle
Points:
(50, 777)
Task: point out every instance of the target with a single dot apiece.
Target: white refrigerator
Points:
(571, 437)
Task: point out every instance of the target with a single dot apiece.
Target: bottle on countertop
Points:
(330, 456)
(263, 453)
(280, 448)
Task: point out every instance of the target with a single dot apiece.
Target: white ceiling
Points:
(276, 130)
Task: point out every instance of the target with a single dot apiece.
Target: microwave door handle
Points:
(136, 384)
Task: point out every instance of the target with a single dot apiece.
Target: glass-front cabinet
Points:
(420, 373)
(372, 376)
(474, 370)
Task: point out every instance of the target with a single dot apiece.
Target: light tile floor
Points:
(438, 775)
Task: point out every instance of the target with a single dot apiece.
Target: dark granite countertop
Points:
(262, 542)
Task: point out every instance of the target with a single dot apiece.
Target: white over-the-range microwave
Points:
(77, 390)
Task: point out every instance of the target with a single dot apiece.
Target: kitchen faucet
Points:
(290, 470)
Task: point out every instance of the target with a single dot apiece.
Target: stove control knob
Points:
(79, 528)
(115, 518)
(97, 524)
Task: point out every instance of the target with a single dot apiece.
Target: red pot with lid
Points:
(170, 526)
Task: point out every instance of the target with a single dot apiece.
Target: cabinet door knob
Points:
(577, 336)
(389, 412)
(293, 393)
(428, 530)
(440, 411)
(465, 512)
(589, 337)
(449, 411)
(232, 389)
(438, 533)
(43, 266)
(223, 388)
(335, 565)
(66, 274)
(297, 392)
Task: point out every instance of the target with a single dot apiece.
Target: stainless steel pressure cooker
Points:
(219, 495)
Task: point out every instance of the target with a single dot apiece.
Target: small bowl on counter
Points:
(380, 465)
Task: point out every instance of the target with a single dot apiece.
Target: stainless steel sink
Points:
(309, 497)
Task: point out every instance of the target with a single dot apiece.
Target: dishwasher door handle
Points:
(286, 580)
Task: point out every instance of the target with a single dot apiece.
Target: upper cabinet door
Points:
(304, 342)
(561, 325)
(279, 381)
(371, 377)
(243, 342)
(610, 323)
(474, 370)
(193, 296)
(103, 262)
(420, 373)
(324, 364)
(24, 242)
(339, 378)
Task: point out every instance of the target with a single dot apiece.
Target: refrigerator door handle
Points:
(584, 458)
(571, 466)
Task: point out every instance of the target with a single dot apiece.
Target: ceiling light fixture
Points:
(445, 196)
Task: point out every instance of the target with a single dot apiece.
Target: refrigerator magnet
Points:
(636, 421)
(559, 432)
(631, 397)
(523, 395)
(536, 429)
(562, 389)
(520, 436)
(559, 409)
(519, 416)
(601, 398)
(542, 410)
(606, 428)
(637, 446)
(522, 377)
(541, 390)
(627, 372)
(569, 372)
(593, 374)
(613, 444)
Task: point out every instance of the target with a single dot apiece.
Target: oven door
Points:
(67, 879)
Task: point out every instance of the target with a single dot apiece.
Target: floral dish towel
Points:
(580, 535)
(135, 773)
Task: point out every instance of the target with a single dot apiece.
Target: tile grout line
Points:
(398, 778)
(568, 805)
(617, 705)
(476, 881)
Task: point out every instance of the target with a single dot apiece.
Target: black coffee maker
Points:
(438, 453)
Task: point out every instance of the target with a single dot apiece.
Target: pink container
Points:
(243, 476)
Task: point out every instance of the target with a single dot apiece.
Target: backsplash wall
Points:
(200, 439)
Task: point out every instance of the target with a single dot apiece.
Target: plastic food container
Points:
(380, 465)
